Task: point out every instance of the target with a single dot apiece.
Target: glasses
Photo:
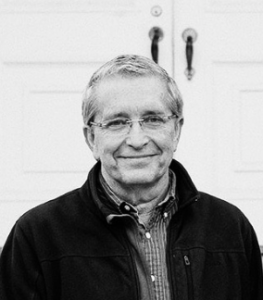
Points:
(123, 125)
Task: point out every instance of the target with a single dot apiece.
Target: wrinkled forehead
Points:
(127, 85)
(120, 93)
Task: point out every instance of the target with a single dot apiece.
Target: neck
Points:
(144, 197)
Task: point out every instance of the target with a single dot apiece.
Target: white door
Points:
(48, 51)
(222, 139)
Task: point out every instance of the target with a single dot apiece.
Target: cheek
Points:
(98, 147)
(169, 146)
(95, 152)
(174, 139)
(175, 143)
(169, 141)
(104, 148)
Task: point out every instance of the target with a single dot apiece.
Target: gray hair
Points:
(130, 66)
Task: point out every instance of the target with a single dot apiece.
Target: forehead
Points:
(121, 94)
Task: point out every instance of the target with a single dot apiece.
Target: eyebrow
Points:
(116, 115)
(153, 112)
(126, 115)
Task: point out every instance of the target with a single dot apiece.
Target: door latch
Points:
(189, 36)
(156, 35)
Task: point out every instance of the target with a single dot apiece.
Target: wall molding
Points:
(234, 6)
(247, 128)
(60, 6)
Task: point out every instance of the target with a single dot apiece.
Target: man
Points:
(138, 228)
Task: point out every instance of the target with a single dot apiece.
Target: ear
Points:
(90, 140)
(178, 129)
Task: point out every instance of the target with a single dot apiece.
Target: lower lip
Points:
(138, 157)
(140, 160)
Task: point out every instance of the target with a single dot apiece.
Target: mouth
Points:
(137, 161)
(138, 156)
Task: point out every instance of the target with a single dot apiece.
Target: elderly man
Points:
(138, 228)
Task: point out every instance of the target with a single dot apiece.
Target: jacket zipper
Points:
(189, 277)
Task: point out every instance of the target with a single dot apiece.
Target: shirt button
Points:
(127, 207)
(165, 215)
(153, 278)
(148, 235)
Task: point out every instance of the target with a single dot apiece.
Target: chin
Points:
(139, 178)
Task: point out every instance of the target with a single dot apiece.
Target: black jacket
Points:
(65, 249)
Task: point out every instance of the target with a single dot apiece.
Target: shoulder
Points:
(57, 227)
(212, 201)
(74, 203)
(223, 216)
(217, 225)
(53, 218)
(219, 208)
(55, 207)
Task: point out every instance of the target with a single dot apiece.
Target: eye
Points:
(117, 122)
(153, 120)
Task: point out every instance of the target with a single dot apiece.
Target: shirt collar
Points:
(122, 208)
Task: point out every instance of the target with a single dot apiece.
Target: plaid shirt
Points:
(148, 241)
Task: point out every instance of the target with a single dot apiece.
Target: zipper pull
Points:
(186, 260)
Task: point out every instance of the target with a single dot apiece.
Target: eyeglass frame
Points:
(130, 122)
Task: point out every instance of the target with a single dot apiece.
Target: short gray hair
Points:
(130, 66)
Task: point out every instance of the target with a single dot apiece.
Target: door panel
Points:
(49, 50)
(222, 139)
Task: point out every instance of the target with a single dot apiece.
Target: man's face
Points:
(139, 157)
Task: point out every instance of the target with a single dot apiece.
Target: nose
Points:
(136, 137)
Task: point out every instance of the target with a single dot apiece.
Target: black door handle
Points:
(156, 35)
(189, 36)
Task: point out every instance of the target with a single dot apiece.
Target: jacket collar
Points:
(186, 190)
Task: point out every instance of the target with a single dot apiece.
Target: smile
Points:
(138, 156)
